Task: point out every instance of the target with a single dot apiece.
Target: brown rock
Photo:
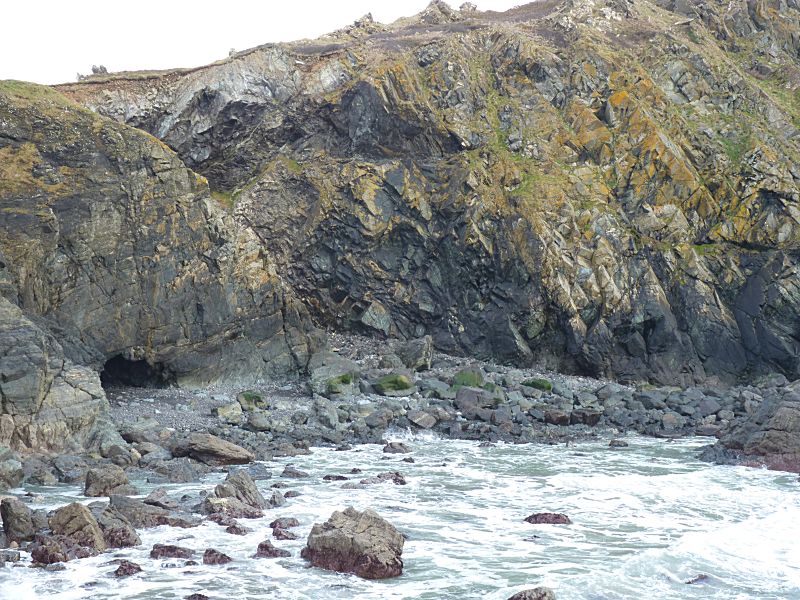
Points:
(267, 550)
(17, 520)
(215, 557)
(285, 523)
(170, 551)
(212, 450)
(356, 542)
(539, 593)
(548, 518)
(127, 568)
(77, 522)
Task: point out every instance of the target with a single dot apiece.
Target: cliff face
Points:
(112, 250)
(609, 187)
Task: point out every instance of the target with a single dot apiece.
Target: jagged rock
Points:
(117, 530)
(107, 480)
(422, 419)
(127, 568)
(17, 520)
(771, 435)
(356, 542)
(267, 550)
(212, 450)
(664, 249)
(215, 557)
(223, 310)
(281, 534)
(241, 486)
(75, 521)
(51, 549)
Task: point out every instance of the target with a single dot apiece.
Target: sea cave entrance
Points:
(122, 372)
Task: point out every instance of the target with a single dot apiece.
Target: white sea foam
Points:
(646, 519)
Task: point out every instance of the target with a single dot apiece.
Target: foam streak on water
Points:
(646, 519)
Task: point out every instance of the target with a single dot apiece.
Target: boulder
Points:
(230, 507)
(77, 522)
(538, 593)
(331, 375)
(293, 472)
(17, 520)
(283, 534)
(548, 518)
(170, 551)
(117, 530)
(250, 400)
(127, 568)
(229, 413)
(212, 450)
(107, 480)
(241, 486)
(215, 557)
(421, 418)
(267, 550)
(417, 354)
(284, 523)
(356, 542)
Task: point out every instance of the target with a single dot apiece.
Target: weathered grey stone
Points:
(212, 450)
(241, 486)
(417, 354)
(17, 520)
(107, 480)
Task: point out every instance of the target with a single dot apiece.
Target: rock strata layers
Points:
(114, 259)
(519, 185)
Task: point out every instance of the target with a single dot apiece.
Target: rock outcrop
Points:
(519, 185)
(115, 260)
(769, 436)
(356, 542)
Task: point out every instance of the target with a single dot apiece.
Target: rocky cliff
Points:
(609, 187)
(114, 259)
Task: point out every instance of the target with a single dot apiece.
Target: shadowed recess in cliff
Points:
(120, 371)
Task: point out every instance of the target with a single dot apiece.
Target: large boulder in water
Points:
(356, 542)
(241, 486)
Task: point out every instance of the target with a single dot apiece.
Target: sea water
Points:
(646, 520)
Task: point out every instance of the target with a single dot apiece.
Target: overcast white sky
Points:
(50, 41)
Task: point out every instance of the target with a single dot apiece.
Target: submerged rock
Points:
(548, 519)
(127, 568)
(538, 593)
(170, 551)
(356, 542)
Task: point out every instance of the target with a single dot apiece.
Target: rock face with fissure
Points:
(519, 185)
(114, 258)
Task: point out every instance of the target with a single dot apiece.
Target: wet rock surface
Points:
(356, 542)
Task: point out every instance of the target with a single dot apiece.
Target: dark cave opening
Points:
(121, 372)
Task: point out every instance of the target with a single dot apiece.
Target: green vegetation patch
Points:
(539, 384)
(468, 378)
(393, 383)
